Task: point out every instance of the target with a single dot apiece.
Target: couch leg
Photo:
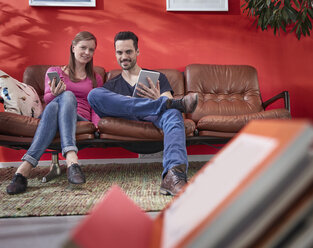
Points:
(55, 169)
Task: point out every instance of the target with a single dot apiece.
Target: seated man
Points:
(156, 105)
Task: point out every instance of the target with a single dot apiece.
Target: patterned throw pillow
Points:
(18, 97)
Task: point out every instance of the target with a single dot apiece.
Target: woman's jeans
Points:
(107, 103)
(59, 115)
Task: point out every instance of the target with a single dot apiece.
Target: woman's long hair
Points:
(82, 36)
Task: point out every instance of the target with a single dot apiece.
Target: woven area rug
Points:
(141, 182)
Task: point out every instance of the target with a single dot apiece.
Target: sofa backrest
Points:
(175, 77)
(34, 75)
(223, 89)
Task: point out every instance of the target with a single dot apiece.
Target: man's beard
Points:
(130, 66)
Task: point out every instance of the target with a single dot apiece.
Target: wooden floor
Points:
(38, 232)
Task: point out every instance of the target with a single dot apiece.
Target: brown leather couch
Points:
(229, 97)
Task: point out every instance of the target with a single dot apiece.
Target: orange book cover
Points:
(116, 221)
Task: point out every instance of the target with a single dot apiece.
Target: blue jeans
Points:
(59, 115)
(107, 103)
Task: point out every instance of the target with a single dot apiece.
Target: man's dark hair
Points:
(127, 35)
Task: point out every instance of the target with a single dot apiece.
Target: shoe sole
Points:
(15, 193)
(196, 104)
(76, 183)
(166, 192)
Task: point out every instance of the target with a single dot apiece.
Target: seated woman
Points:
(66, 104)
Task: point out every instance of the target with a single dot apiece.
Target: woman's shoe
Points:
(18, 184)
(75, 174)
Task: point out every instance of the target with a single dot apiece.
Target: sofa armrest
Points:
(284, 95)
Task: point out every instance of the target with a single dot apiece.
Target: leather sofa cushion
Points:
(119, 128)
(18, 125)
(224, 90)
(233, 123)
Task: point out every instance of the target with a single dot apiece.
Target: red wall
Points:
(42, 35)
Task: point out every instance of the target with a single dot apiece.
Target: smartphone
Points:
(153, 75)
(55, 75)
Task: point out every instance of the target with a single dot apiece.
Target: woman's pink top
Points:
(80, 90)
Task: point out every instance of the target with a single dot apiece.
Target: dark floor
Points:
(38, 232)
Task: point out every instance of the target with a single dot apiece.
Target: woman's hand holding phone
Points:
(57, 85)
(57, 90)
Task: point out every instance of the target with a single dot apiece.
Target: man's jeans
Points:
(59, 115)
(107, 103)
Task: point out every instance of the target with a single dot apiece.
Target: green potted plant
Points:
(288, 15)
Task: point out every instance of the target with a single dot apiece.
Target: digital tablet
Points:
(153, 75)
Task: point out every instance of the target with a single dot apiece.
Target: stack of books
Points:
(256, 192)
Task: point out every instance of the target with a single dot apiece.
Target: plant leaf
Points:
(296, 3)
(310, 12)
